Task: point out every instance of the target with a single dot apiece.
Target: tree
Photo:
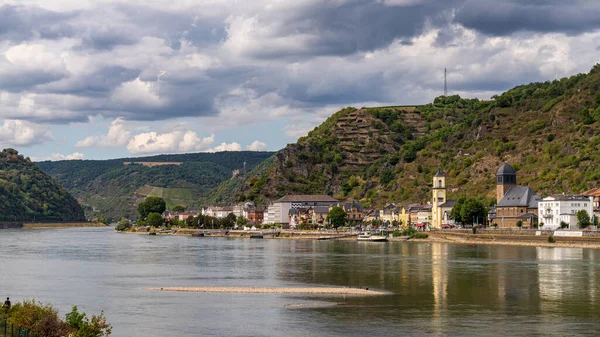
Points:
(337, 216)
(469, 211)
(123, 225)
(151, 205)
(155, 219)
(230, 220)
(583, 219)
(178, 208)
(519, 223)
(563, 224)
(241, 221)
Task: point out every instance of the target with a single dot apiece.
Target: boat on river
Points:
(372, 238)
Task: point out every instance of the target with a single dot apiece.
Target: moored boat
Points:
(372, 238)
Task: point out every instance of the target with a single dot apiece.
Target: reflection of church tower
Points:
(438, 197)
(506, 177)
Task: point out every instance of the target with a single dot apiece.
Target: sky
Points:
(99, 79)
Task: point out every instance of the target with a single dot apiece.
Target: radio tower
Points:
(445, 83)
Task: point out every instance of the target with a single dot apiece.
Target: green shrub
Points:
(419, 236)
(551, 239)
(408, 231)
(550, 137)
(123, 225)
(474, 230)
(396, 233)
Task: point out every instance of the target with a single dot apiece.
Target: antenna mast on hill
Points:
(445, 83)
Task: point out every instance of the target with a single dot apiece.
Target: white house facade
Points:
(559, 208)
(279, 210)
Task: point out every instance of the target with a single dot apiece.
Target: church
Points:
(440, 206)
(514, 203)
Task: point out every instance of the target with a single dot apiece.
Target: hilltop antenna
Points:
(445, 83)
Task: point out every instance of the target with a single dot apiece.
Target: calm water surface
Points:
(437, 289)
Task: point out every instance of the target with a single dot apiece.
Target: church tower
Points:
(506, 178)
(438, 197)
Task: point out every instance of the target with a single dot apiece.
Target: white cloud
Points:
(59, 156)
(136, 93)
(22, 133)
(226, 147)
(170, 142)
(118, 135)
(257, 146)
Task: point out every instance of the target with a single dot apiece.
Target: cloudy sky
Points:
(102, 79)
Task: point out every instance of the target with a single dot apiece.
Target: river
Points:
(437, 289)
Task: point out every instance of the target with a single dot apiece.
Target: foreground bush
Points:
(43, 320)
(551, 239)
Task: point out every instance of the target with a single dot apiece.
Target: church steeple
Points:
(438, 197)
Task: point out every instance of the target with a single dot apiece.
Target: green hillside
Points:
(548, 131)
(112, 189)
(28, 194)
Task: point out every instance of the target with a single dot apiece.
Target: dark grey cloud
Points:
(501, 18)
(107, 38)
(95, 84)
(345, 28)
(18, 23)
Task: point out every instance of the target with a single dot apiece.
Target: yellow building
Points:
(438, 197)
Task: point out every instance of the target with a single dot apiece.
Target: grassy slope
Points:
(108, 188)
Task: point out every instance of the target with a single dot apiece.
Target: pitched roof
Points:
(439, 173)
(306, 198)
(520, 196)
(349, 205)
(448, 203)
(594, 192)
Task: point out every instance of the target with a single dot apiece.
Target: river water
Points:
(437, 289)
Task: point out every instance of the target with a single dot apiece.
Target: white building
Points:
(279, 210)
(556, 208)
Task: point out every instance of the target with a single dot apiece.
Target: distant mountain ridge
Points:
(112, 188)
(28, 194)
(549, 131)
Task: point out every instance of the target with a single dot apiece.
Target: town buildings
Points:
(563, 208)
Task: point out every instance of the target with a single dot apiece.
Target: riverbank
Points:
(513, 240)
(502, 238)
(278, 290)
(62, 224)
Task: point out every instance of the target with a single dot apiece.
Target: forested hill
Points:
(112, 189)
(549, 131)
(28, 194)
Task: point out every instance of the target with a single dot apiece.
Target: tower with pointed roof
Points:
(438, 198)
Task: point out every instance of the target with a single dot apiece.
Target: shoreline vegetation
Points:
(278, 290)
(63, 224)
(443, 236)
